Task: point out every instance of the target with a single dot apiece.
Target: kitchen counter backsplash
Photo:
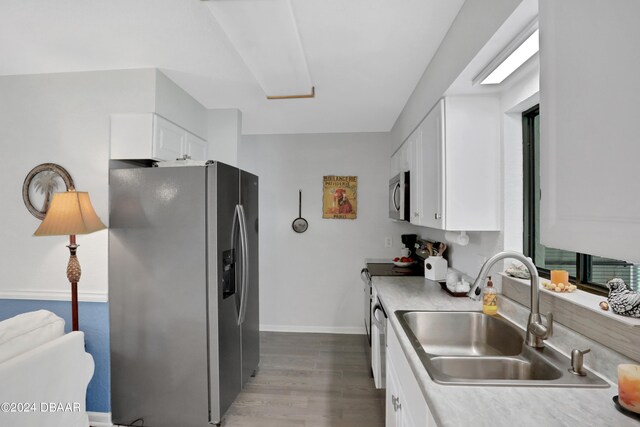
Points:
(580, 312)
(601, 359)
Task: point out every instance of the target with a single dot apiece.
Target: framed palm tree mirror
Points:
(40, 184)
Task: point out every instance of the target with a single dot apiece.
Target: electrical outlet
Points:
(388, 242)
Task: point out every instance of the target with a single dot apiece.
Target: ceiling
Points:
(364, 57)
(520, 19)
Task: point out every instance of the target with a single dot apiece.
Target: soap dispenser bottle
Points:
(489, 299)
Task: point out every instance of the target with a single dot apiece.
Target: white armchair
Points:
(44, 373)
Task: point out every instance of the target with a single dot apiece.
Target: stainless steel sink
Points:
(495, 368)
(464, 333)
(471, 348)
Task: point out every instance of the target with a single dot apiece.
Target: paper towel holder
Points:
(457, 238)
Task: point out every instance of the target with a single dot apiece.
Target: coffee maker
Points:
(409, 241)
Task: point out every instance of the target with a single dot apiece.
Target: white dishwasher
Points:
(378, 341)
(375, 317)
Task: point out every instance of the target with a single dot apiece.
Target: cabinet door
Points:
(432, 168)
(410, 408)
(395, 163)
(168, 140)
(405, 159)
(416, 199)
(196, 148)
(401, 160)
(589, 150)
(393, 413)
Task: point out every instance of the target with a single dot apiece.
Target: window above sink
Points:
(591, 273)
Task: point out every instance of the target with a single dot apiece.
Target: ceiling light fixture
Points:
(523, 47)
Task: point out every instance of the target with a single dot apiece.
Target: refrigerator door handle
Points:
(245, 263)
(234, 227)
(236, 256)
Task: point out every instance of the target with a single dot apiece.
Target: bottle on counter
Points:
(489, 299)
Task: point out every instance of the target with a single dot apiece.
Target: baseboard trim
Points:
(52, 295)
(100, 419)
(358, 330)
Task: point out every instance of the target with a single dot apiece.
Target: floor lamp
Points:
(69, 214)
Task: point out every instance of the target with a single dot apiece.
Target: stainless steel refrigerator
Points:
(183, 292)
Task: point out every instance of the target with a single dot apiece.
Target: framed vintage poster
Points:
(340, 197)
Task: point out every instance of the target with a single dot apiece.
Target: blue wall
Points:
(94, 322)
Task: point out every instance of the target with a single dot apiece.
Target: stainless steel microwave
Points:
(399, 207)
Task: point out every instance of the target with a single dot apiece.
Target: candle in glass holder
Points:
(629, 387)
(559, 276)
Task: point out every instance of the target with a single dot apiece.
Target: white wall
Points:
(521, 96)
(310, 281)
(476, 23)
(64, 119)
(224, 131)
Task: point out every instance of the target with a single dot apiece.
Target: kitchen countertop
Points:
(377, 261)
(453, 405)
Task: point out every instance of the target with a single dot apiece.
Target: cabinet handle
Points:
(395, 401)
(436, 215)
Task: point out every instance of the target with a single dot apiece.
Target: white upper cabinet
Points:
(150, 136)
(414, 148)
(400, 161)
(455, 166)
(196, 148)
(394, 166)
(168, 140)
(432, 192)
(589, 91)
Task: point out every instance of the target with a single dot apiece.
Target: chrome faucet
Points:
(537, 332)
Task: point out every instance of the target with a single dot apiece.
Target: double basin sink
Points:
(471, 348)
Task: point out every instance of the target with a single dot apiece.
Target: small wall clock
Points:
(40, 184)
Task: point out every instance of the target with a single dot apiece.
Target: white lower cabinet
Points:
(393, 413)
(405, 404)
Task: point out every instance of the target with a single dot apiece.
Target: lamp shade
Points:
(70, 213)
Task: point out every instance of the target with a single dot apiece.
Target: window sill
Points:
(581, 299)
(580, 312)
